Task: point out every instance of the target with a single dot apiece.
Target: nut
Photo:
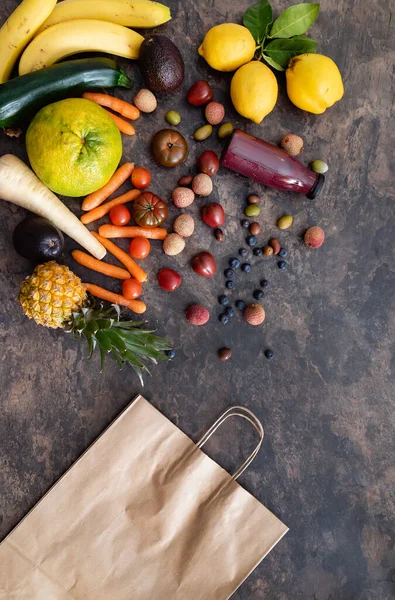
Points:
(254, 314)
(255, 228)
(219, 234)
(293, 144)
(285, 222)
(214, 113)
(185, 180)
(184, 225)
(145, 101)
(173, 244)
(202, 185)
(314, 237)
(275, 244)
(197, 314)
(268, 251)
(224, 353)
(182, 197)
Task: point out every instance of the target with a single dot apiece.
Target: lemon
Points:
(313, 82)
(228, 46)
(254, 91)
(74, 147)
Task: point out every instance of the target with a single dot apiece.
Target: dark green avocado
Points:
(161, 64)
(38, 239)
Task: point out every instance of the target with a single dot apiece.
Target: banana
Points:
(81, 35)
(139, 13)
(19, 29)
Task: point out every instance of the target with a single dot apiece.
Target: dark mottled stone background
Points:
(327, 464)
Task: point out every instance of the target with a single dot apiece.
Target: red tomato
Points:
(200, 93)
(131, 289)
(119, 215)
(140, 247)
(141, 178)
(169, 280)
(208, 163)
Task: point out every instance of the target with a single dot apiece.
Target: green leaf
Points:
(282, 50)
(257, 19)
(295, 20)
(272, 63)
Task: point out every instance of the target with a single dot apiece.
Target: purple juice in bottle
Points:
(269, 165)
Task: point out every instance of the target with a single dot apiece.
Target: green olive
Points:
(203, 133)
(285, 222)
(173, 117)
(319, 166)
(225, 130)
(252, 210)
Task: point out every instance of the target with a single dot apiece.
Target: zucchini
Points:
(22, 97)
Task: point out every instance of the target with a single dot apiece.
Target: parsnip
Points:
(19, 185)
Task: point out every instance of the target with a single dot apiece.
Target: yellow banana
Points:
(19, 29)
(139, 13)
(81, 35)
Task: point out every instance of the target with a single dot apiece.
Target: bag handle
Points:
(244, 413)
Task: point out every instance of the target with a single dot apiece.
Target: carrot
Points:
(82, 258)
(123, 126)
(120, 106)
(135, 305)
(133, 268)
(100, 211)
(98, 197)
(112, 231)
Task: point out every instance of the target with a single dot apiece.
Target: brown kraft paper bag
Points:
(144, 514)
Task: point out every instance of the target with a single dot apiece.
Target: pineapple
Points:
(55, 297)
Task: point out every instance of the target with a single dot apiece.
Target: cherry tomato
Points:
(200, 93)
(169, 280)
(208, 163)
(213, 214)
(204, 264)
(141, 178)
(149, 210)
(140, 247)
(131, 289)
(119, 215)
(169, 147)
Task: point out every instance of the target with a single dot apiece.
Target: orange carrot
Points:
(120, 106)
(123, 126)
(100, 211)
(135, 305)
(112, 231)
(84, 259)
(133, 268)
(98, 197)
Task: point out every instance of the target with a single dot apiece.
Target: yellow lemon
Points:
(228, 46)
(254, 91)
(313, 82)
(73, 146)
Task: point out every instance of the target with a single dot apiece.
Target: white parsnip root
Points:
(19, 185)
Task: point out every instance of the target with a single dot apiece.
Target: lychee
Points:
(254, 314)
(292, 144)
(197, 314)
(214, 113)
(202, 185)
(173, 244)
(314, 237)
(182, 197)
(184, 225)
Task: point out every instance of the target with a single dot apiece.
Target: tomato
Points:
(169, 147)
(149, 210)
(213, 214)
(140, 247)
(141, 178)
(208, 163)
(200, 93)
(131, 288)
(204, 264)
(119, 215)
(169, 280)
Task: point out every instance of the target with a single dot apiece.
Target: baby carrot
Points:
(84, 259)
(100, 211)
(135, 305)
(133, 268)
(120, 106)
(123, 126)
(98, 197)
(112, 231)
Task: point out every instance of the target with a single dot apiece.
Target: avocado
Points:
(161, 64)
(38, 239)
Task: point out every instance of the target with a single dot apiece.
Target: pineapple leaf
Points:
(103, 341)
(91, 343)
(116, 340)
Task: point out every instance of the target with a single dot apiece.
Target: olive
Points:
(225, 130)
(173, 117)
(252, 210)
(219, 234)
(224, 353)
(285, 222)
(203, 133)
(253, 199)
(319, 166)
(255, 228)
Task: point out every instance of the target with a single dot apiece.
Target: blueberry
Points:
(245, 223)
(240, 304)
(230, 284)
(229, 311)
(170, 353)
(258, 294)
(282, 265)
(223, 299)
(243, 251)
(283, 252)
(251, 240)
(246, 267)
(269, 354)
(234, 263)
(229, 273)
(258, 252)
(223, 318)
(264, 283)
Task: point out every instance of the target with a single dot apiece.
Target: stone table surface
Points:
(327, 399)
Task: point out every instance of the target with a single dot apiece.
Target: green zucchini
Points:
(22, 97)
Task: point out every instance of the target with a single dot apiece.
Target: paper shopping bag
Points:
(144, 514)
